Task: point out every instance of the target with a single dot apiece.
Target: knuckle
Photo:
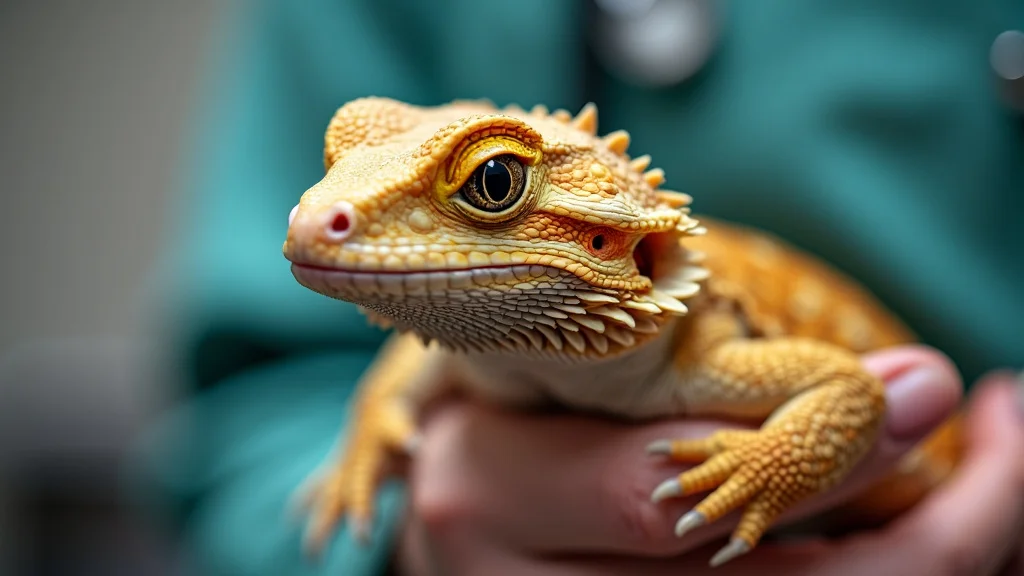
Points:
(645, 526)
(449, 527)
(439, 508)
(437, 494)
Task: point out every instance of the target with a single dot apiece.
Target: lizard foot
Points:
(345, 488)
(765, 471)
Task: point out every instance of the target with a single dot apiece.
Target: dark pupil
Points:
(497, 181)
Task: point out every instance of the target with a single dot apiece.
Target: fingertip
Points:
(997, 407)
(998, 383)
(920, 396)
(889, 363)
(980, 508)
(923, 388)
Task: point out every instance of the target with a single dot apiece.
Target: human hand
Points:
(507, 493)
(973, 525)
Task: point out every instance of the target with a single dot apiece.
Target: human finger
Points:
(573, 483)
(975, 522)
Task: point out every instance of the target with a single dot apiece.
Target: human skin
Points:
(498, 492)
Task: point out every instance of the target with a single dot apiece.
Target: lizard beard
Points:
(534, 311)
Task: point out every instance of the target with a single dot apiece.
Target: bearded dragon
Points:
(526, 260)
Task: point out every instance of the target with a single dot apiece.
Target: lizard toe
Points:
(700, 449)
(752, 472)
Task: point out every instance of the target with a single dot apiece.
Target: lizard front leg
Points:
(827, 414)
(381, 427)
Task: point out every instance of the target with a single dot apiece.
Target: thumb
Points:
(923, 389)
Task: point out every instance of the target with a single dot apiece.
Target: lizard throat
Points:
(530, 310)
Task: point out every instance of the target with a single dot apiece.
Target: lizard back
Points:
(784, 291)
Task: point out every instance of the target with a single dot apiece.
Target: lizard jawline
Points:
(533, 310)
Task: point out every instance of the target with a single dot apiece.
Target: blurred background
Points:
(140, 138)
(94, 104)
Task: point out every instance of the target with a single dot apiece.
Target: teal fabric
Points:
(235, 454)
(866, 132)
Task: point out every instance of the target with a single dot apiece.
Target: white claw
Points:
(689, 521)
(735, 547)
(660, 447)
(667, 489)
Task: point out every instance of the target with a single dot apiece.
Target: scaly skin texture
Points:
(525, 259)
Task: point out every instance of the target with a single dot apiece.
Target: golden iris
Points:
(495, 185)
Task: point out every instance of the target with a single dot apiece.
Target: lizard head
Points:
(491, 230)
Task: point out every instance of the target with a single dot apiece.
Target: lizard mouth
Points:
(440, 286)
(336, 269)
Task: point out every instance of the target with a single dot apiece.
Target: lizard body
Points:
(525, 259)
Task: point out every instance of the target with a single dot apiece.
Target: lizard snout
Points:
(333, 224)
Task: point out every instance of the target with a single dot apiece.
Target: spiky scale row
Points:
(654, 177)
(586, 120)
(640, 163)
(617, 141)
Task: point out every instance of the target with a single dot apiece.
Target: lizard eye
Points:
(496, 184)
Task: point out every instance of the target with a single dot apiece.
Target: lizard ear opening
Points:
(673, 269)
(643, 258)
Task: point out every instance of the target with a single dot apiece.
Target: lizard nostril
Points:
(341, 221)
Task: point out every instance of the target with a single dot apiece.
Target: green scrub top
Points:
(869, 133)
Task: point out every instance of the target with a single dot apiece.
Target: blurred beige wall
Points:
(94, 98)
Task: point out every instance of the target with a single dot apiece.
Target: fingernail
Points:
(912, 403)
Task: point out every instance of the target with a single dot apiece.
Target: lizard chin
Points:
(537, 311)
